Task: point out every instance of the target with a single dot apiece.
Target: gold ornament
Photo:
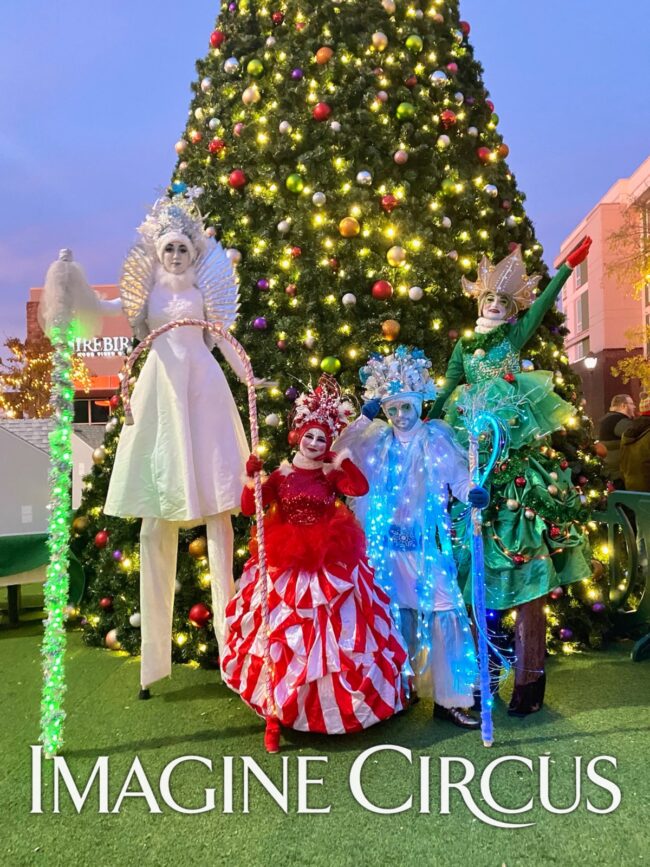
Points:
(396, 256)
(99, 456)
(349, 227)
(80, 524)
(198, 548)
(390, 328)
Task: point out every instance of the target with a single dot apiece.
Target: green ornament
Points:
(494, 119)
(330, 365)
(414, 43)
(295, 183)
(255, 68)
(405, 111)
(448, 186)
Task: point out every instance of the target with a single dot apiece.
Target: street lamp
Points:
(590, 361)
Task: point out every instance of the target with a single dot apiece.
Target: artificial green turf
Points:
(597, 704)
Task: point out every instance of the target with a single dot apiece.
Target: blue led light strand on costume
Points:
(480, 424)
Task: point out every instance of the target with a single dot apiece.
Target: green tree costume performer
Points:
(533, 534)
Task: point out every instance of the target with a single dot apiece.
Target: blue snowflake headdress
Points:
(404, 373)
(175, 219)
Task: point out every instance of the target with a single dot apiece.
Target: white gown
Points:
(183, 458)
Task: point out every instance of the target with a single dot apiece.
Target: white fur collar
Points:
(484, 326)
(175, 283)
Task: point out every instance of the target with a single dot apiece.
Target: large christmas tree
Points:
(351, 161)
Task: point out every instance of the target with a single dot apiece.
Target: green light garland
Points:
(57, 583)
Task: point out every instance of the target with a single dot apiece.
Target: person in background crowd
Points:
(622, 411)
(635, 450)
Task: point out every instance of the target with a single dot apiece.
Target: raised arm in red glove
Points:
(253, 465)
(579, 254)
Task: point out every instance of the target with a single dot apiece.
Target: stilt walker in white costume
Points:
(411, 468)
(180, 464)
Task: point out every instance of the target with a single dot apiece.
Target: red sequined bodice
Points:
(305, 496)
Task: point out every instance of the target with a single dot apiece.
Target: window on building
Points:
(581, 349)
(582, 312)
(81, 411)
(91, 411)
(582, 274)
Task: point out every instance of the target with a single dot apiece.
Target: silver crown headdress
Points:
(403, 373)
(507, 277)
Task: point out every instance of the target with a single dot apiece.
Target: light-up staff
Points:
(218, 331)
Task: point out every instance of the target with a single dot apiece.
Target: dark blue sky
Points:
(93, 96)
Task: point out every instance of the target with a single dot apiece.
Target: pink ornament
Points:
(238, 129)
(453, 68)
(400, 157)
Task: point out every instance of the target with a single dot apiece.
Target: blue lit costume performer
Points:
(533, 539)
(410, 467)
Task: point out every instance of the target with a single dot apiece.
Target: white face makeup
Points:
(313, 444)
(176, 257)
(494, 307)
(402, 414)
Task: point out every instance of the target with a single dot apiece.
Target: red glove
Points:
(253, 465)
(579, 254)
(329, 457)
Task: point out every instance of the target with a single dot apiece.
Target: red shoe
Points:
(272, 736)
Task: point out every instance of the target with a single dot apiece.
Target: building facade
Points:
(104, 355)
(602, 311)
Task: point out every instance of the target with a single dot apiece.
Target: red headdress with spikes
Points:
(324, 408)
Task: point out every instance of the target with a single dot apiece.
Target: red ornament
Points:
(464, 27)
(520, 482)
(583, 480)
(293, 438)
(518, 559)
(448, 118)
(282, 345)
(333, 263)
(556, 593)
(296, 252)
(321, 111)
(216, 145)
(277, 18)
(489, 104)
(382, 290)
(506, 204)
(106, 603)
(503, 150)
(300, 25)
(411, 81)
(291, 290)
(237, 179)
(196, 136)
(389, 202)
(452, 334)
(114, 402)
(199, 615)
(555, 532)
(101, 539)
(217, 38)
(509, 377)
(484, 155)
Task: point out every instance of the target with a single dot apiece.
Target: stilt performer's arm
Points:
(226, 337)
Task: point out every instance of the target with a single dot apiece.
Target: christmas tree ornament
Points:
(598, 607)
(382, 290)
(324, 55)
(527, 365)
(400, 157)
(309, 341)
(511, 222)
(452, 68)
(349, 299)
(281, 345)
(291, 290)
(214, 123)
(117, 556)
(439, 18)
(458, 36)
(296, 252)
(473, 131)
(295, 183)
(491, 190)
(177, 586)
(255, 68)
(489, 104)
(263, 284)
(277, 18)
(231, 65)
(199, 615)
(217, 38)
(349, 227)
(484, 154)
(330, 365)
(111, 640)
(284, 226)
(405, 111)
(379, 40)
(414, 43)
(390, 329)
(319, 199)
(511, 504)
(80, 524)
(443, 142)
(566, 634)
(411, 81)
(389, 203)
(333, 262)
(438, 78)
(106, 602)
(135, 620)
(364, 178)
(206, 84)
(382, 96)
(234, 255)
(196, 136)
(416, 293)
(272, 420)
(237, 179)
(448, 186)
(99, 456)
(321, 111)
(216, 145)
(101, 539)
(284, 127)
(238, 128)
(270, 41)
(503, 150)
(291, 393)
(448, 118)
(389, 6)
(297, 74)
(445, 223)
(335, 126)
(453, 255)
(260, 323)
(464, 27)
(459, 98)
(180, 146)
(529, 514)
(251, 95)
(198, 548)
(396, 256)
